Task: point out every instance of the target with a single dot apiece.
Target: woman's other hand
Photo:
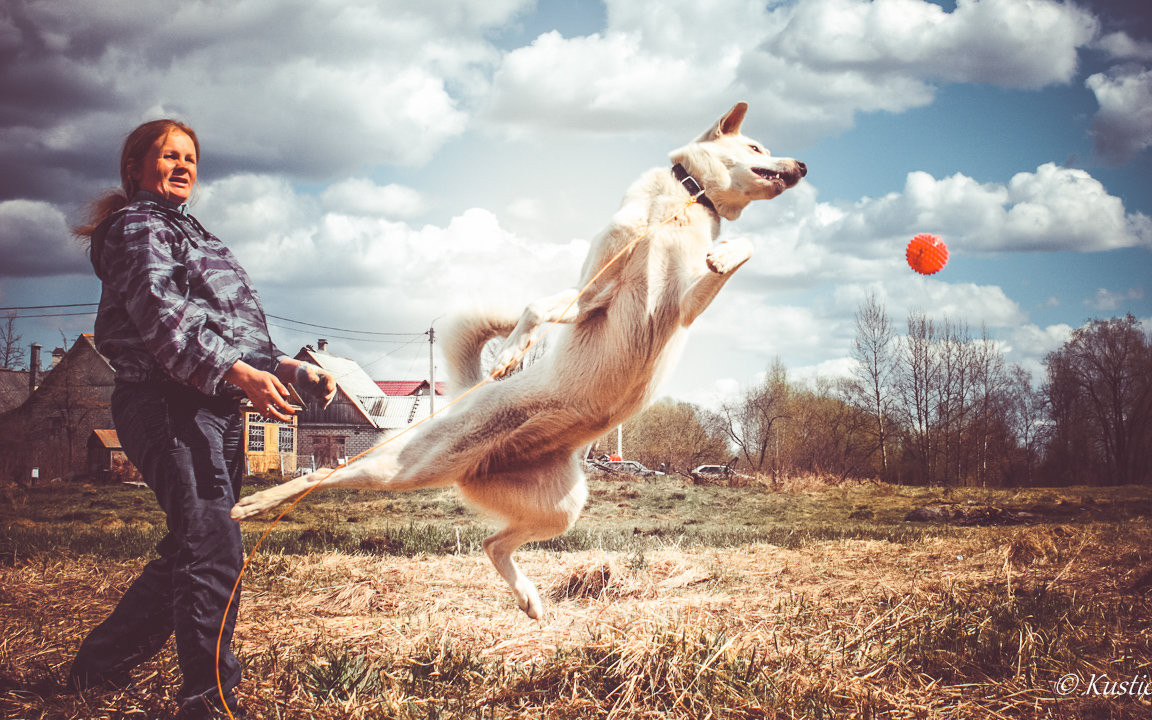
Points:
(311, 380)
(267, 393)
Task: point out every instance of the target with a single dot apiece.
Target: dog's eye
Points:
(756, 149)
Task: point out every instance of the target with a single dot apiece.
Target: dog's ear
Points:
(729, 124)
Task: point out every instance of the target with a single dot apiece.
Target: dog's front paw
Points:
(727, 255)
(509, 357)
(250, 506)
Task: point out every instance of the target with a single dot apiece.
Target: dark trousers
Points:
(189, 449)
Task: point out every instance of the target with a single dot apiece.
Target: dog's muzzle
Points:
(788, 177)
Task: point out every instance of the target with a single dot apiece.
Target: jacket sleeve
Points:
(186, 340)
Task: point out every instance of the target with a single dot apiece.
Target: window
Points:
(255, 438)
(287, 440)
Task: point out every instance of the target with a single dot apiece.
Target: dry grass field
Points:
(666, 600)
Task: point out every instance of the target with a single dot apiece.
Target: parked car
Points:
(711, 473)
(629, 467)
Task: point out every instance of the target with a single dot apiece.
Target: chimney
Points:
(34, 368)
(322, 345)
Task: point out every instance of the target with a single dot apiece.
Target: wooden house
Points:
(270, 444)
(360, 417)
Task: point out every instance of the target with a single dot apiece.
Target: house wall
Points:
(270, 446)
(318, 443)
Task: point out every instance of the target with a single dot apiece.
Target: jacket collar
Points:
(145, 196)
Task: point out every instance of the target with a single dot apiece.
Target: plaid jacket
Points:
(175, 302)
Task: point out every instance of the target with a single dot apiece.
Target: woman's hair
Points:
(136, 146)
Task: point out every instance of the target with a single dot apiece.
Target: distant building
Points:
(107, 461)
(46, 436)
(270, 444)
(360, 417)
(404, 388)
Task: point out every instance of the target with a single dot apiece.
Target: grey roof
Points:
(13, 389)
(383, 411)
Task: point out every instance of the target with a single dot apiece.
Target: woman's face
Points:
(169, 167)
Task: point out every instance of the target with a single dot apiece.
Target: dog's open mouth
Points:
(788, 178)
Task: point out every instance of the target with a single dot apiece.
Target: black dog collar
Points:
(692, 186)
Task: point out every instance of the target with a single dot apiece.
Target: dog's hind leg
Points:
(538, 504)
(499, 549)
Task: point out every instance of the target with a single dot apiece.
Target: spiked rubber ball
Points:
(927, 254)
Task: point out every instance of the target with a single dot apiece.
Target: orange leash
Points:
(512, 363)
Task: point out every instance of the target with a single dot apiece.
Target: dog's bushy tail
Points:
(464, 336)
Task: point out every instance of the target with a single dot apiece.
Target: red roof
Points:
(397, 388)
(108, 438)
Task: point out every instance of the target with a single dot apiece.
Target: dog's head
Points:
(734, 169)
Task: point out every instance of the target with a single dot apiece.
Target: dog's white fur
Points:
(515, 447)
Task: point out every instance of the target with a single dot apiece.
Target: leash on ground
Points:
(490, 378)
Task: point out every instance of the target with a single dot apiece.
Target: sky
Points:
(377, 165)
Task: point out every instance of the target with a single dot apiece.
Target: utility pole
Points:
(431, 372)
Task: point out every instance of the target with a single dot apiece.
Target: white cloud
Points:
(1109, 301)
(1000, 42)
(1051, 209)
(290, 240)
(1122, 46)
(360, 196)
(811, 65)
(1028, 345)
(1123, 125)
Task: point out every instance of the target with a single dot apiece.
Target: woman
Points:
(187, 337)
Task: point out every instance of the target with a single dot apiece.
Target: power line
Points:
(18, 308)
(52, 315)
(345, 330)
(49, 307)
(330, 336)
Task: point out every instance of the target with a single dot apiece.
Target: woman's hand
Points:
(311, 380)
(267, 393)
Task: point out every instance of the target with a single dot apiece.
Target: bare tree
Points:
(874, 351)
(752, 423)
(11, 351)
(949, 399)
(1025, 414)
(918, 373)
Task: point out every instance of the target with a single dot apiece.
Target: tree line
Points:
(935, 405)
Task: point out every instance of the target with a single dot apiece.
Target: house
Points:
(410, 399)
(17, 385)
(107, 461)
(403, 388)
(360, 417)
(46, 436)
(270, 444)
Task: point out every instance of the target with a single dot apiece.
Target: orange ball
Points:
(927, 254)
